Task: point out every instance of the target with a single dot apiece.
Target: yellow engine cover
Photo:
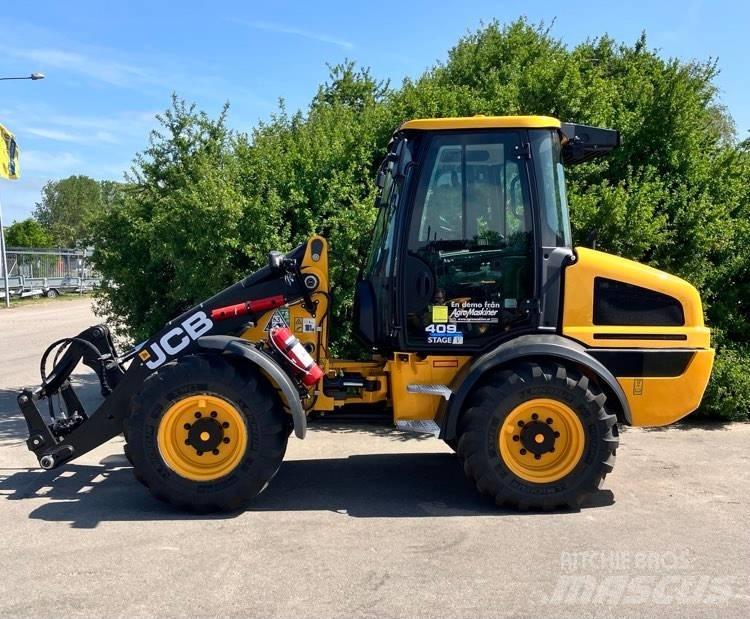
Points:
(653, 400)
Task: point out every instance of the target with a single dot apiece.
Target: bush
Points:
(728, 394)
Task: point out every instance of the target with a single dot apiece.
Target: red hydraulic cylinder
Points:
(247, 307)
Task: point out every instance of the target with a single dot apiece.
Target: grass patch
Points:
(16, 302)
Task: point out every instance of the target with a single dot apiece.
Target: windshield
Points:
(550, 178)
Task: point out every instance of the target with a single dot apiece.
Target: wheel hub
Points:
(202, 437)
(541, 440)
(206, 434)
(538, 437)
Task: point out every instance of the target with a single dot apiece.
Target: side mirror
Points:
(386, 164)
(401, 159)
(584, 143)
(395, 164)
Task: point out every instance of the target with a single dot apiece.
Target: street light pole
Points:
(5, 260)
(33, 76)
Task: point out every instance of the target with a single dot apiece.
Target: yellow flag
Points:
(10, 167)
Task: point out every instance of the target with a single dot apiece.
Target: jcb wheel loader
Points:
(487, 328)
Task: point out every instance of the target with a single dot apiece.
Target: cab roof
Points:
(482, 122)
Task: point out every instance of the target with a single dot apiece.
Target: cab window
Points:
(470, 241)
(379, 257)
(546, 154)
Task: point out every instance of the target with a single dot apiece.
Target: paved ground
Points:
(365, 522)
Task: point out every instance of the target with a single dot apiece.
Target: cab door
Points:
(467, 277)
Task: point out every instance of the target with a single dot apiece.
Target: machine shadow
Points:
(401, 485)
(397, 485)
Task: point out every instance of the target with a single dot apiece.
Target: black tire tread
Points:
(473, 425)
(259, 396)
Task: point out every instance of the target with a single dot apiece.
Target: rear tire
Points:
(545, 410)
(188, 454)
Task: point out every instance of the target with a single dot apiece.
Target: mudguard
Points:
(525, 347)
(237, 347)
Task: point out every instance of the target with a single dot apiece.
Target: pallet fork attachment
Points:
(58, 439)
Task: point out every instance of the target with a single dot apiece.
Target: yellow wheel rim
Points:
(541, 440)
(202, 437)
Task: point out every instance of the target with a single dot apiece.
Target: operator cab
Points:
(472, 232)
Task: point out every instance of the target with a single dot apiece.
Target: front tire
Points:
(205, 434)
(538, 437)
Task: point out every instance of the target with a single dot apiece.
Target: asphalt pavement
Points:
(365, 521)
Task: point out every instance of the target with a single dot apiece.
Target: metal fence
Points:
(40, 263)
(50, 272)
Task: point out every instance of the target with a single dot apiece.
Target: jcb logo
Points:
(174, 340)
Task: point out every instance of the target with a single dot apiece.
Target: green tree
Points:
(313, 174)
(67, 208)
(27, 233)
(171, 235)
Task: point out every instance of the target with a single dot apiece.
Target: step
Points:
(440, 390)
(419, 426)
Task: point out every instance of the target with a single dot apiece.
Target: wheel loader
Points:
(486, 327)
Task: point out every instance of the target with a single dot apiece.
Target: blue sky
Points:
(111, 66)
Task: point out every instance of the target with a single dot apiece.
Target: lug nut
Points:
(549, 421)
(187, 441)
(557, 435)
(225, 424)
(516, 438)
(214, 414)
(198, 415)
(534, 416)
(537, 456)
(187, 426)
(523, 452)
(521, 424)
(215, 452)
(226, 440)
(200, 453)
